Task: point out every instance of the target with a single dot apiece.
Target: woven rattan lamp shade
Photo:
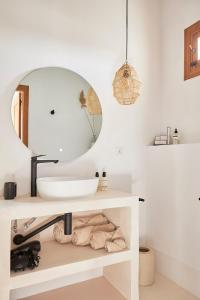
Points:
(126, 86)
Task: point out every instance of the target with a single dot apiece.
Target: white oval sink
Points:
(66, 187)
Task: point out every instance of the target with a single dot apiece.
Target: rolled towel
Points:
(117, 234)
(115, 246)
(99, 219)
(82, 236)
(77, 222)
(99, 238)
(58, 232)
(104, 227)
(89, 221)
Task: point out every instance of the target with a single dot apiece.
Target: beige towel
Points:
(89, 220)
(99, 238)
(117, 242)
(58, 233)
(77, 222)
(82, 236)
(115, 246)
(117, 234)
(97, 220)
(92, 230)
(104, 227)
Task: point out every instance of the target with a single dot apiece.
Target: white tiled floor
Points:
(164, 289)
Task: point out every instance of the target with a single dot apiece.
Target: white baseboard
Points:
(182, 274)
(55, 284)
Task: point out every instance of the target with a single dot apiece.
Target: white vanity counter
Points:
(120, 269)
(25, 207)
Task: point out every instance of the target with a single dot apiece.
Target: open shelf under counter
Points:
(61, 260)
(95, 289)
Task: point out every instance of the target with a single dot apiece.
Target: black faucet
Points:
(67, 222)
(34, 163)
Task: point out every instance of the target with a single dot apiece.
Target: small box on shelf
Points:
(157, 143)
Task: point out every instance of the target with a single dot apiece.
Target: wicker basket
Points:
(126, 86)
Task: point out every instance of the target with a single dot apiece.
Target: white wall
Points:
(85, 38)
(88, 38)
(173, 209)
(180, 99)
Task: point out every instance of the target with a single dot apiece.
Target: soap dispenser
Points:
(97, 176)
(175, 137)
(104, 182)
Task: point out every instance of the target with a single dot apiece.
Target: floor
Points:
(95, 289)
(100, 289)
(165, 289)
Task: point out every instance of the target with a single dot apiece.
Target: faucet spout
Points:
(41, 161)
(34, 162)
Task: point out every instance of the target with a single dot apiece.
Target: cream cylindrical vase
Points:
(147, 266)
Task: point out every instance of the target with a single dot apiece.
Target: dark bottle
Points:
(10, 190)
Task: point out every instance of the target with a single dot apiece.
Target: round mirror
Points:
(56, 112)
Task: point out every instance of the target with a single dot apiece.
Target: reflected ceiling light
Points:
(126, 86)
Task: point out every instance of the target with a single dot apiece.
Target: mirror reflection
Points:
(56, 112)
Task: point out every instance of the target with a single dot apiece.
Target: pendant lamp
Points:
(126, 86)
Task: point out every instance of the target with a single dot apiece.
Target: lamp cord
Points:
(126, 31)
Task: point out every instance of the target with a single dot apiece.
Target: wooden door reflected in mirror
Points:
(20, 112)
